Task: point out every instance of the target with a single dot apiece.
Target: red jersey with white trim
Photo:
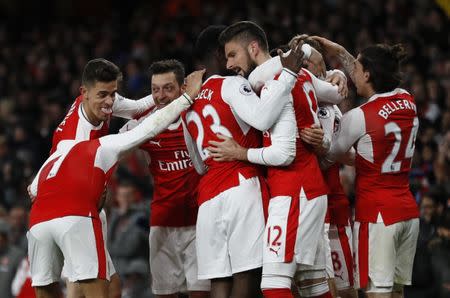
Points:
(304, 172)
(76, 127)
(383, 159)
(175, 179)
(209, 115)
(73, 178)
(338, 203)
(58, 195)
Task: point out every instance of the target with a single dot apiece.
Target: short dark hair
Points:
(207, 45)
(245, 31)
(169, 65)
(383, 63)
(100, 70)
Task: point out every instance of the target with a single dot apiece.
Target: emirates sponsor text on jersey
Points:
(182, 162)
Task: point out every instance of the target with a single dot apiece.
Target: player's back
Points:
(69, 183)
(383, 159)
(305, 167)
(75, 126)
(211, 115)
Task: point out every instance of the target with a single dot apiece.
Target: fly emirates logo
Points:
(182, 162)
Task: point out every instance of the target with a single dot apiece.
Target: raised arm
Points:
(113, 146)
(336, 50)
(258, 112)
(128, 108)
(325, 91)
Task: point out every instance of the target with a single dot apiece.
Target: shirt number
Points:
(215, 127)
(389, 165)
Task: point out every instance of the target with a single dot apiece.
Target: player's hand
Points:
(30, 194)
(227, 150)
(331, 48)
(194, 83)
(293, 60)
(338, 79)
(312, 135)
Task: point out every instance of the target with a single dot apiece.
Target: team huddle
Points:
(245, 156)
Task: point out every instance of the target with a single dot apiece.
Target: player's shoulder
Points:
(237, 85)
(305, 75)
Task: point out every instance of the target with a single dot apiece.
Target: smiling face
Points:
(238, 58)
(165, 88)
(98, 100)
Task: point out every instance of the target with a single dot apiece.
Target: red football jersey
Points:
(304, 172)
(383, 158)
(208, 116)
(73, 180)
(175, 179)
(75, 126)
(338, 203)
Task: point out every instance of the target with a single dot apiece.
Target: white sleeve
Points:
(128, 108)
(326, 115)
(325, 91)
(34, 184)
(352, 128)
(265, 72)
(196, 159)
(258, 112)
(112, 146)
(283, 137)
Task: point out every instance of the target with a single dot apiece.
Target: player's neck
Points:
(369, 92)
(261, 58)
(89, 115)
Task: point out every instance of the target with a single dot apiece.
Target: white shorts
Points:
(65, 273)
(173, 261)
(384, 254)
(230, 230)
(77, 240)
(339, 255)
(295, 231)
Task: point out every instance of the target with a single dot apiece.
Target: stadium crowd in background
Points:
(40, 71)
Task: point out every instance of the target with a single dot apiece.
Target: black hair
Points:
(207, 45)
(166, 66)
(383, 63)
(245, 31)
(100, 70)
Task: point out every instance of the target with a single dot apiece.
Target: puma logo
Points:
(338, 275)
(157, 143)
(275, 251)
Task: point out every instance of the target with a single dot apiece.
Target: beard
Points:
(251, 66)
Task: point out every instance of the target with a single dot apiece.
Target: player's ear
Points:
(183, 87)
(253, 48)
(83, 91)
(367, 76)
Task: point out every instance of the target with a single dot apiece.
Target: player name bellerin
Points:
(395, 105)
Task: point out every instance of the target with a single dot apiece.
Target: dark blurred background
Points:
(44, 46)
